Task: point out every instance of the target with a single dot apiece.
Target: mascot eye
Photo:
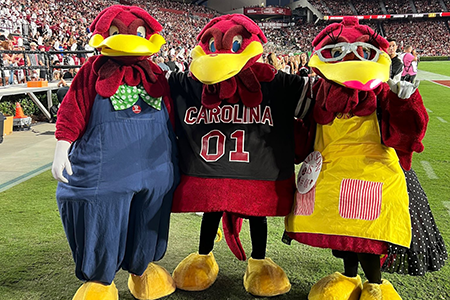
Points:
(237, 42)
(140, 31)
(113, 30)
(367, 53)
(336, 52)
(212, 46)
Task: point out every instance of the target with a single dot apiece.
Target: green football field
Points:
(36, 263)
(438, 67)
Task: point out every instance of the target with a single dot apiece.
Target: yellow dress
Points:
(361, 190)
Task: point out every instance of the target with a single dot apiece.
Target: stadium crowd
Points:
(428, 6)
(367, 7)
(341, 8)
(320, 6)
(53, 25)
(430, 38)
(399, 7)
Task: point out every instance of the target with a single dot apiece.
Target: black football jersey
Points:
(234, 141)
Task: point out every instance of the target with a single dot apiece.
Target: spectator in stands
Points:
(8, 60)
(15, 39)
(87, 47)
(80, 47)
(69, 74)
(273, 61)
(72, 44)
(181, 63)
(56, 44)
(20, 62)
(161, 64)
(396, 63)
(33, 60)
(286, 65)
(44, 59)
(57, 73)
(293, 64)
(303, 69)
(171, 63)
(4, 75)
(408, 73)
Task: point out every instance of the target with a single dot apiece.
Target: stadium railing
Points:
(49, 66)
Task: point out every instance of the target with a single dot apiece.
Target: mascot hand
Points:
(61, 161)
(403, 89)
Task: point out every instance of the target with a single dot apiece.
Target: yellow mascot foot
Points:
(336, 287)
(96, 291)
(383, 291)
(154, 283)
(265, 278)
(196, 272)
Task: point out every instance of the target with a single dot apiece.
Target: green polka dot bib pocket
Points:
(126, 96)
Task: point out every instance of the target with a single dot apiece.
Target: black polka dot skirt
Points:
(427, 251)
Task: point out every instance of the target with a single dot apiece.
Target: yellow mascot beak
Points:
(355, 74)
(214, 68)
(127, 45)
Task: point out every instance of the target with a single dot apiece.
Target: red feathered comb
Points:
(103, 21)
(351, 30)
(239, 19)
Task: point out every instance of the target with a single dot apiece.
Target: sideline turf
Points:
(439, 67)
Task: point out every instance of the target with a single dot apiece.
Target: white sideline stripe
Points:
(442, 120)
(428, 110)
(428, 169)
(447, 206)
(439, 83)
(424, 75)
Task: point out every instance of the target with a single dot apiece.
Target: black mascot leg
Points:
(370, 264)
(258, 234)
(350, 262)
(208, 231)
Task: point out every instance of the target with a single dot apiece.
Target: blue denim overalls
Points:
(116, 207)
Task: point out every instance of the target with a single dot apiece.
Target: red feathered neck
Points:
(244, 86)
(115, 71)
(332, 98)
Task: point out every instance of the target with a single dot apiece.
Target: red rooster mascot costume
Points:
(363, 128)
(116, 184)
(234, 120)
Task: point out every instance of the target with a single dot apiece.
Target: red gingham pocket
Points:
(304, 203)
(359, 199)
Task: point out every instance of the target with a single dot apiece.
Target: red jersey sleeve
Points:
(404, 123)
